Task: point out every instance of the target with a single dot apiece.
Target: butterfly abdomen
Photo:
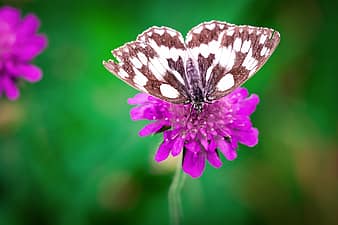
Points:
(195, 86)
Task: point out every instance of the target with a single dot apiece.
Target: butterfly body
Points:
(195, 85)
(214, 59)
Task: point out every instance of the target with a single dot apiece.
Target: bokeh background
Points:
(70, 155)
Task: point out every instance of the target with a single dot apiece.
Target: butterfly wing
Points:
(153, 64)
(228, 55)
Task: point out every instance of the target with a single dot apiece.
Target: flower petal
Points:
(163, 151)
(249, 138)
(226, 148)
(193, 146)
(240, 93)
(137, 113)
(30, 48)
(204, 142)
(148, 109)
(138, 99)
(30, 73)
(10, 15)
(144, 112)
(237, 95)
(212, 146)
(11, 91)
(151, 128)
(248, 106)
(214, 159)
(29, 25)
(194, 163)
(178, 146)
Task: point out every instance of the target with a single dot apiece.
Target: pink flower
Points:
(19, 45)
(218, 128)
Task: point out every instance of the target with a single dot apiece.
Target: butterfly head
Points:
(197, 98)
(197, 106)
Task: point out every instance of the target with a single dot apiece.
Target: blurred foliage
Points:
(70, 155)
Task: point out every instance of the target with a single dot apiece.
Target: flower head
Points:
(219, 127)
(19, 44)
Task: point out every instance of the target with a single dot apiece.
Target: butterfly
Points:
(214, 59)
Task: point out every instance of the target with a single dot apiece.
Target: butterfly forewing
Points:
(228, 55)
(250, 48)
(154, 64)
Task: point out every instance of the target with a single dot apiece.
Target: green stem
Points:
(175, 208)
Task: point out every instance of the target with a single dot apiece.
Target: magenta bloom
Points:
(219, 127)
(19, 44)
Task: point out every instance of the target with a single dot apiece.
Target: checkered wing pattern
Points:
(153, 64)
(228, 55)
(224, 56)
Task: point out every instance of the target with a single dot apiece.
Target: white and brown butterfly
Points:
(216, 58)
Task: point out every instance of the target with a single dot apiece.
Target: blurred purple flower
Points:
(19, 44)
(219, 127)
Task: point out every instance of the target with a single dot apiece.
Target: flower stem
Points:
(175, 207)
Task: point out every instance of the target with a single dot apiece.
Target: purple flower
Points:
(19, 44)
(219, 127)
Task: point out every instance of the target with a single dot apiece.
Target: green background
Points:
(70, 155)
